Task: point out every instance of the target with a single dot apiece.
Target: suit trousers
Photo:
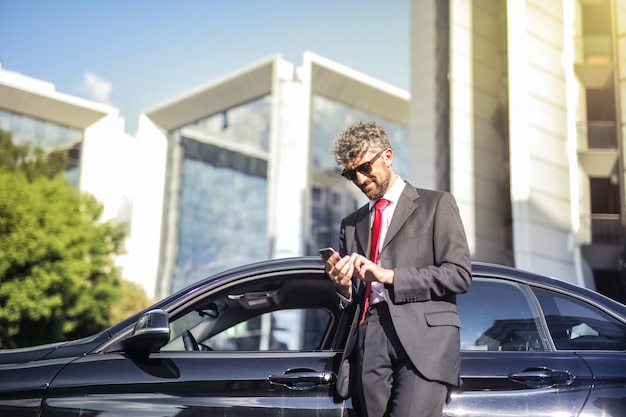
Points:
(388, 383)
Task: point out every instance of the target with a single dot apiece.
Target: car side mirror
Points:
(151, 333)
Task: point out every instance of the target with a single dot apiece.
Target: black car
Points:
(266, 339)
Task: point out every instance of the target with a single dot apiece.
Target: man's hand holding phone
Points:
(326, 253)
(339, 270)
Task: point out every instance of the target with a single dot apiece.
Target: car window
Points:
(286, 313)
(498, 315)
(577, 325)
(290, 329)
(278, 330)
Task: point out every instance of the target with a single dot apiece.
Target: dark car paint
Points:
(200, 383)
(487, 388)
(92, 376)
(608, 396)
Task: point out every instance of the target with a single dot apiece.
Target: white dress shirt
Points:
(377, 293)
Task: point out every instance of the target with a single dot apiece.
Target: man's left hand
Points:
(368, 271)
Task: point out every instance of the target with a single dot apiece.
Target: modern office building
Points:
(519, 105)
(238, 170)
(241, 170)
(91, 133)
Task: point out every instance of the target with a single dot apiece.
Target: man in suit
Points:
(403, 347)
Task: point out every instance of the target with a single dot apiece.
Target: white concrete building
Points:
(240, 169)
(235, 171)
(517, 109)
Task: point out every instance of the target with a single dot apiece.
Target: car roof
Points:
(544, 281)
(315, 264)
(484, 269)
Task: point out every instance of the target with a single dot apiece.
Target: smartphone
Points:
(326, 252)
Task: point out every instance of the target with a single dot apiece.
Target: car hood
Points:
(29, 354)
(57, 350)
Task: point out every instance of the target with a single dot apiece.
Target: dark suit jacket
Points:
(427, 248)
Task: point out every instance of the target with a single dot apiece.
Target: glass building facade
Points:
(47, 136)
(332, 197)
(222, 221)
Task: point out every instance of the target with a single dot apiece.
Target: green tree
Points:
(133, 300)
(58, 279)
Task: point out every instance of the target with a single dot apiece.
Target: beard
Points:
(380, 186)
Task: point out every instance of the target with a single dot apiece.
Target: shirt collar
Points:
(393, 194)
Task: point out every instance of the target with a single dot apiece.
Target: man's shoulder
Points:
(428, 196)
(428, 192)
(357, 214)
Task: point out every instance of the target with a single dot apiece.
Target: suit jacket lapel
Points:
(363, 229)
(362, 236)
(406, 206)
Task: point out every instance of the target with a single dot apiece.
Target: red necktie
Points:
(379, 206)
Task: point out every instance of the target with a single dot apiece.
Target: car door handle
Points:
(301, 379)
(542, 377)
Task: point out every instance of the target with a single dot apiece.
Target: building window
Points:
(48, 136)
(222, 204)
(245, 125)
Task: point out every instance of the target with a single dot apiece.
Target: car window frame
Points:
(178, 304)
(532, 302)
(536, 289)
(563, 288)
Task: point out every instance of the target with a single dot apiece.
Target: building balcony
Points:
(593, 61)
(597, 148)
(602, 246)
(604, 228)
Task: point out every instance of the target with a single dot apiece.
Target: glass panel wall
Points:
(246, 125)
(46, 135)
(332, 197)
(222, 213)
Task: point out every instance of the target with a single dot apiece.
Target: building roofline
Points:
(326, 78)
(356, 89)
(38, 99)
(241, 86)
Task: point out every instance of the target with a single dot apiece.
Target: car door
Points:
(598, 338)
(196, 384)
(508, 363)
(265, 347)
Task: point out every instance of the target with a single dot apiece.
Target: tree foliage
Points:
(134, 299)
(58, 279)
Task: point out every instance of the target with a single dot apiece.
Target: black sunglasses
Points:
(364, 168)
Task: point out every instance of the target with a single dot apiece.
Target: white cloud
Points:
(97, 88)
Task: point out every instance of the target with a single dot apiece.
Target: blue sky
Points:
(134, 54)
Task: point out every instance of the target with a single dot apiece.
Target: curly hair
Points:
(357, 139)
